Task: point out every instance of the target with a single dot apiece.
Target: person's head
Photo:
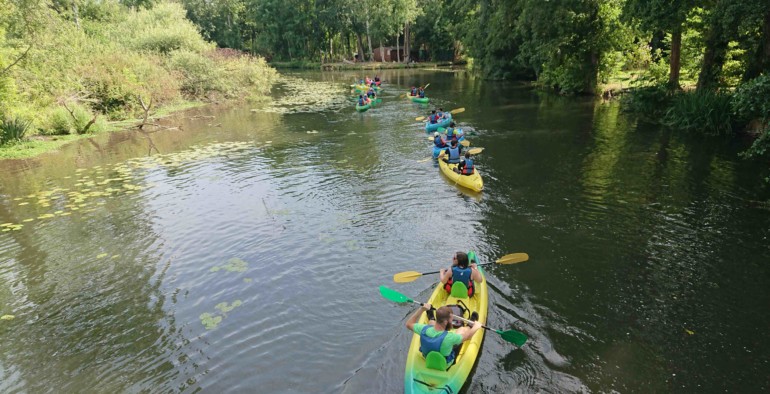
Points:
(467, 155)
(451, 124)
(435, 134)
(433, 112)
(462, 259)
(360, 96)
(441, 109)
(443, 315)
(454, 143)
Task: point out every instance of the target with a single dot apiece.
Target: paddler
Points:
(421, 92)
(439, 141)
(433, 117)
(460, 271)
(453, 154)
(435, 336)
(413, 92)
(465, 167)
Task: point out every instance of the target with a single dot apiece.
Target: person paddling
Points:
(421, 92)
(460, 271)
(453, 152)
(433, 117)
(435, 336)
(439, 141)
(466, 166)
(414, 91)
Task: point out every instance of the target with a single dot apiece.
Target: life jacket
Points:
(454, 157)
(433, 344)
(450, 133)
(422, 93)
(361, 102)
(414, 92)
(461, 275)
(376, 79)
(467, 170)
(433, 119)
(440, 143)
(370, 93)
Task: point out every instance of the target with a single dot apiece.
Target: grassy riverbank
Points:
(63, 78)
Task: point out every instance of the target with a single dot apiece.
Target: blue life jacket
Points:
(439, 142)
(454, 155)
(462, 275)
(467, 170)
(450, 133)
(422, 94)
(361, 102)
(429, 344)
(433, 119)
(414, 91)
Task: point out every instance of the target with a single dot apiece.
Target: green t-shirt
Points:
(451, 340)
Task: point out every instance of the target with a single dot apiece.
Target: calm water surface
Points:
(241, 250)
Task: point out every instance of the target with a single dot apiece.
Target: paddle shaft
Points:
(436, 272)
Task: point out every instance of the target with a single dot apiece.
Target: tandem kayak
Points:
(416, 99)
(418, 378)
(363, 108)
(472, 181)
(431, 127)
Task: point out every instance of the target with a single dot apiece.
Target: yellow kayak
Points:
(472, 181)
(418, 378)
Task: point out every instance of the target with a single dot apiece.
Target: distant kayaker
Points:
(421, 92)
(466, 165)
(414, 91)
(361, 101)
(370, 93)
(453, 152)
(435, 336)
(440, 113)
(461, 272)
(377, 80)
(433, 117)
(438, 140)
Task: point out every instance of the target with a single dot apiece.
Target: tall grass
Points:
(706, 112)
(13, 130)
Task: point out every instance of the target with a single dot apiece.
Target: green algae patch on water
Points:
(233, 265)
(224, 308)
(210, 321)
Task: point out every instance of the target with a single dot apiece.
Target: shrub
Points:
(161, 29)
(201, 75)
(13, 130)
(751, 99)
(59, 122)
(649, 102)
(705, 111)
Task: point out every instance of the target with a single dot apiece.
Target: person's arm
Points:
(416, 316)
(475, 274)
(444, 275)
(468, 334)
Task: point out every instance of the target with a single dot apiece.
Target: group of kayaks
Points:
(432, 373)
(363, 89)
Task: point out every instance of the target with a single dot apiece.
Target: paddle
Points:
(465, 143)
(410, 276)
(512, 336)
(475, 151)
(457, 111)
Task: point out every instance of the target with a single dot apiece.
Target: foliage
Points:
(58, 122)
(649, 102)
(751, 100)
(703, 111)
(13, 130)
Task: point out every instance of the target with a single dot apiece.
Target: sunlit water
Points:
(241, 250)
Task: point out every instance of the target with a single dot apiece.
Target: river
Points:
(241, 248)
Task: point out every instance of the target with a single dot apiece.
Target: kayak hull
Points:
(431, 127)
(418, 378)
(472, 182)
(416, 99)
(363, 108)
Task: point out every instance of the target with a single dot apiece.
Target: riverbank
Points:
(37, 145)
(343, 66)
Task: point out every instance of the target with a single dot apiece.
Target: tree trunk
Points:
(760, 62)
(360, 46)
(674, 61)
(713, 57)
(382, 52)
(369, 39)
(407, 47)
(75, 13)
(398, 50)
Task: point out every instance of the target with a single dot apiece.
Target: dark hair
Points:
(443, 315)
(452, 124)
(454, 143)
(433, 112)
(462, 259)
(467, 155)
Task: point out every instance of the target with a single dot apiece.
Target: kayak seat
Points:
(459, 290)
(436, 360)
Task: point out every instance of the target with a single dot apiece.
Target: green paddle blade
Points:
(393, 295)
(513, 336)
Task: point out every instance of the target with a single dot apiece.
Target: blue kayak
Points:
(430, 127)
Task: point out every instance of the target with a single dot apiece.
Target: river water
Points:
(240, 250)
